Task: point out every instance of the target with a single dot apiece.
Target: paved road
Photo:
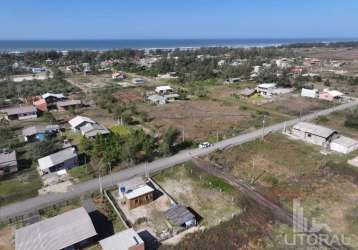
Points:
(33, 204)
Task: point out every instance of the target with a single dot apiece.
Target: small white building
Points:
(162, 90)
(138, 81)
(124, 240)
(344, 145)
(80, 121)
(311, 93)
(266, 89)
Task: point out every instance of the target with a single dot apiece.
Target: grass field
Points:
(284, 170)
(213, 199)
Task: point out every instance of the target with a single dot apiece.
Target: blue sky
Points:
(126, 19)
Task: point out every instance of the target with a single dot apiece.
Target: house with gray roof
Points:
(64, 159)
(20, 113)
(8, 162)
(38, 132)
(92, 130)
(312, 133)
(69, 230)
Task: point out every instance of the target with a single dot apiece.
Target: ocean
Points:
(99, 45)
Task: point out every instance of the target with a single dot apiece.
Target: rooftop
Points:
(58, 96)
(345, 141)
(121, 241)
(267, 85)
(78, 120)
(178, 215)
(39, 129)
(139, 192)
(19, 110)
(69, 103)
(91, 130)
(56, 158)
(7, 158)
(314, 129)
(57, 232)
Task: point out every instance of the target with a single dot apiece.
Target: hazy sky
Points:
(103, 19)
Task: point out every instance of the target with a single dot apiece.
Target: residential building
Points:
(139, 196)
(344, 145)
(313, 133)
(311, 93)
(266, 89)
(138, 81)
(247, 92)
(91, 130)
(180, 216)
(51, 98)
(162, 90)
(70, 230)
(118, 76)
(157, 99)
(64, 159)
(20, 113)
(330, 95)
(232, 80)
(38, 132)
(80, 121)
(66, 105)
(41, 105)
(124, 240)
(8, 162)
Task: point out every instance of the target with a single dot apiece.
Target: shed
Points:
(80, 121)
(65, 105)
(311, 93)
(124, 240)
(344, 145)
(37, 132)
(59, 232)
(20, 113)
(180, 216)
(91, 130)
(139, 196)
(163, 89)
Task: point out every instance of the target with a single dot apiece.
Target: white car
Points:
(205, 145)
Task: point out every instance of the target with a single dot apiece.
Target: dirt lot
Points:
(196, 190)
(7, 238)
(285, 170)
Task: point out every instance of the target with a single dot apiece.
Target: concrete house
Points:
(124, 240)
(64, 159)
(20, 113)
(313, 133)
(80, 121)
(266, 89)
(70, 230)
(138, 81)
(139, 196)
(311, 93)
(38, 132)
(232, 80)
(247, 92)
(344, 145)
(8, 162)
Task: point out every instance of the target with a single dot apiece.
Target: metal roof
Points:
(7, 158)
(78, 120)
(314, 129)
(56, 233)
(56, 158)
(139, 192)
(122, 241)
(68, 103)
(345, 141)
(19, 110)
(179, 215)
(267, 85)
(58, 96)
(39, 129)
(91, 130)
(247, 92)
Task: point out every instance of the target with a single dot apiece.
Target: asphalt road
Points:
(36, 203)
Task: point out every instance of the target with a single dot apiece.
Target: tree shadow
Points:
(103, 226)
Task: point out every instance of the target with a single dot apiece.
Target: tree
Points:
(169, 138)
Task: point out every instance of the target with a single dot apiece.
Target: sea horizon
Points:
(23, 45)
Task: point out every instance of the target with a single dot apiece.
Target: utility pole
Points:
(183, 133)
(100, 183)
(110, 172)
(146, 170)
(217, 135)
(263, 128)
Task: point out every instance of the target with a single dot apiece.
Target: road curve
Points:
(36, 203)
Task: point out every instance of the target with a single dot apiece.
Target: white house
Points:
(163, 89)
(138, 81)
(311, 93)
(266, 89)
(344, 145)
(64, 159)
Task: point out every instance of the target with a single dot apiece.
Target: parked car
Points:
(205, 145)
